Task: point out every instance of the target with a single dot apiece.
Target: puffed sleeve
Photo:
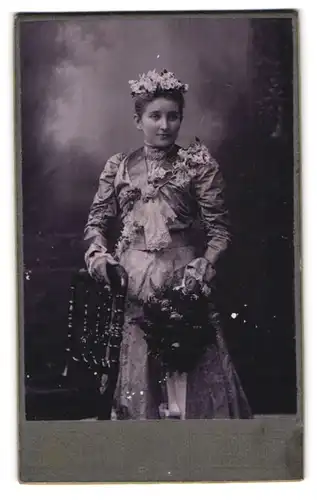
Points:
(208, 188)
(102, 210)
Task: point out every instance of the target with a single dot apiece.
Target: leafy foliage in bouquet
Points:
(177, 327)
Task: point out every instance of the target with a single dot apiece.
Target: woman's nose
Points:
(163, 123)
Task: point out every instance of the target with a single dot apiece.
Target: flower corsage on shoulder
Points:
(183, 169)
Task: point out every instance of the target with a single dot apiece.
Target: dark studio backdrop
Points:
(76, 111)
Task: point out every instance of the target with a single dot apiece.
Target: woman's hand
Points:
(98, 267)
(198, 274)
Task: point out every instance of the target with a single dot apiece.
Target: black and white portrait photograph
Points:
(158, 218)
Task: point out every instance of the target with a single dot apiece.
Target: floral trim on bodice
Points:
(183, 169)
(160, 173)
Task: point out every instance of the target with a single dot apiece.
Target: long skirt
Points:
(213, 389)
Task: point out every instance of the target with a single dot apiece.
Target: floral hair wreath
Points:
(152, 82)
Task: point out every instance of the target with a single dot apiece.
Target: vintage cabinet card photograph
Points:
(159, 251)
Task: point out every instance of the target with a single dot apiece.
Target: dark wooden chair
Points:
(86, 386)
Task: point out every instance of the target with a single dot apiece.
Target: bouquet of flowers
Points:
(177, 327)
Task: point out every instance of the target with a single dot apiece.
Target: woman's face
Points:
(160, 122)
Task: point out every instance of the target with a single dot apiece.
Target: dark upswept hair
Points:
(141, 101)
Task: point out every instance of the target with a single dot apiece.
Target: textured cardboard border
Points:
(266, 448)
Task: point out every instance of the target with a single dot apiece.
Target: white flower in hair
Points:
(153, 81)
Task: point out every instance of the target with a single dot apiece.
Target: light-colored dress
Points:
(159, 243)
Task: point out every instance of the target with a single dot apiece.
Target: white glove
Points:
(198, 274)
(97, 258)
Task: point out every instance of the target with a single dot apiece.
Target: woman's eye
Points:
(173, 116)
(155, 116)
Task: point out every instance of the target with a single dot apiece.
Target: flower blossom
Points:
(153, 81)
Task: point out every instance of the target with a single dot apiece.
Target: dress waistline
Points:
(178, 239)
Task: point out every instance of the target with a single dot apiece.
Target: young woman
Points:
(158, 192)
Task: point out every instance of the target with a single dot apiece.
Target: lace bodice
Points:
(164, 203)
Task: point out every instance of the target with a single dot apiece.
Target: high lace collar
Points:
(153, 153)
